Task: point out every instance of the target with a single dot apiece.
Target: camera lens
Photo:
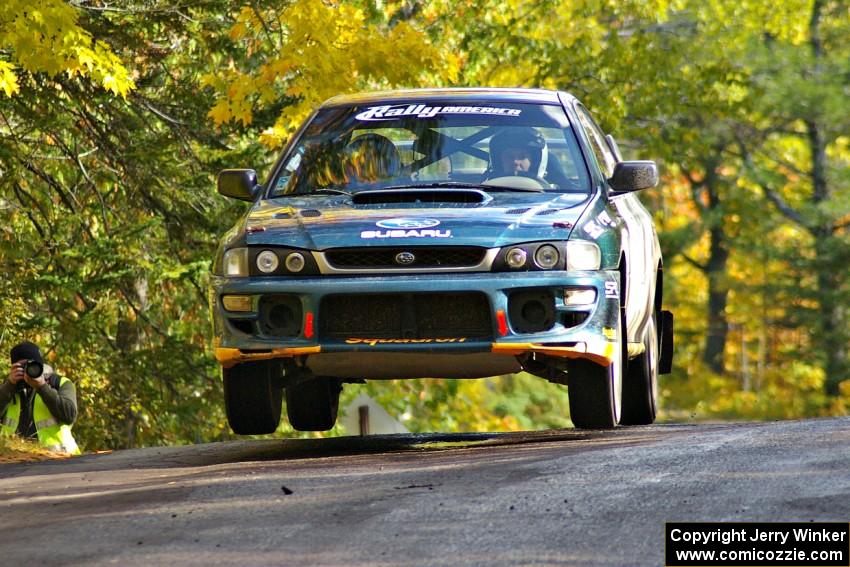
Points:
(33, 368)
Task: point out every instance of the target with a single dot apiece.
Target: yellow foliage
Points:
(313, 50)
(8, 80)
(43, 37)
(791, 391)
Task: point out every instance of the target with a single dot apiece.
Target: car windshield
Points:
(492, 145)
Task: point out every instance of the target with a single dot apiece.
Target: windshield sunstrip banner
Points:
(391, 112)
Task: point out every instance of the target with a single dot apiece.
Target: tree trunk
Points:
(831, 333)
(714, 353)
(718, 295)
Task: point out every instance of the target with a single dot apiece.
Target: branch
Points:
(781, 162)
(147, 104)
(259, 15)
(771, 195)
(701, 267)
(21, 193)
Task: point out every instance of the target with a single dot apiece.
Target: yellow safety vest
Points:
(51, 434)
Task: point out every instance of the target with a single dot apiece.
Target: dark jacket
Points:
(60, 400)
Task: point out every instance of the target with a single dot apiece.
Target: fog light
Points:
(516, 257)
(280, 315)
(267, 261)
(532, 311)
(237, 302)
(579, 296)
(295, 262)
(546, 257)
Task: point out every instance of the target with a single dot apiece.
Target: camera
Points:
(33, 368)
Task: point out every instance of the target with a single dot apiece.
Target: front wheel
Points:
(253, 396)
(596, 392)
(313, 404)
(640, 386)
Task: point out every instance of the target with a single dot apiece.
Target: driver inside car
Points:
(523, 152)
(371, 158)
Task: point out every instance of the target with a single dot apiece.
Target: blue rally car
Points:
(453, 233)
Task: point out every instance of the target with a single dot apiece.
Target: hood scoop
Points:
(462, 197)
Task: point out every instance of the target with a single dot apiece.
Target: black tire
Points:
(595, 391)
(253, 396)
(313, 404)
(640, 384)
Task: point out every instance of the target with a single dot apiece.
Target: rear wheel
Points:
(253, 397)
(640, 385)
(595, 391)
(312, 404)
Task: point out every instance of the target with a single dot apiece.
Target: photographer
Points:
(35, 402)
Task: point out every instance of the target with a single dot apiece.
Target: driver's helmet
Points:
(372, 157)
(524, 137)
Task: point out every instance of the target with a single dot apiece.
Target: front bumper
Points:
(594, 338)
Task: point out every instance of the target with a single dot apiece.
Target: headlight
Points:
(295, 262)
(515, 258)
(583, 255)
(546, 257)
(236, 262)
(267, 261)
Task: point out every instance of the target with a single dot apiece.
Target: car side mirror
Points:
(238, 183)
(633, 176)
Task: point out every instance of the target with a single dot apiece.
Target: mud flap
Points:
(665, 336)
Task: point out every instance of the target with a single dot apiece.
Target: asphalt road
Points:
(540, 498)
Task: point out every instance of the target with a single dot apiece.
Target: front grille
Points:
(406, 316)
(425, 257)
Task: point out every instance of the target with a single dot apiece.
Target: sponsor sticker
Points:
(392, 112)
(593, 229)
(373, 342)
(605, 219)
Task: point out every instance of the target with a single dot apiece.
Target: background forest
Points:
(116, 116)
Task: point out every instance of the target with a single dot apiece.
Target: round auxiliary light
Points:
(295, 262)
(515, 258)
(267, 261)
(546, 257)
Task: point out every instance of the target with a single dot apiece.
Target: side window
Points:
(604, 157)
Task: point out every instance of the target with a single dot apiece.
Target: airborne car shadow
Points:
(256, 450)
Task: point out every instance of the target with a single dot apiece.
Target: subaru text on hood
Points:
(454, 233)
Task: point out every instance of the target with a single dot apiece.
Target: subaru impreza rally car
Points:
(454, 233)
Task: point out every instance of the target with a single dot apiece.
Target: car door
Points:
(638, 238)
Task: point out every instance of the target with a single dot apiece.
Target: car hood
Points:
(502, 218)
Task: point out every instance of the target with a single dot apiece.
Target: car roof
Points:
(539, 96)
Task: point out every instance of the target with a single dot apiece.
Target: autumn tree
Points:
(801, 159)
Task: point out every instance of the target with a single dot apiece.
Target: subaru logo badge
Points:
(404, 258)
(403, 223)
